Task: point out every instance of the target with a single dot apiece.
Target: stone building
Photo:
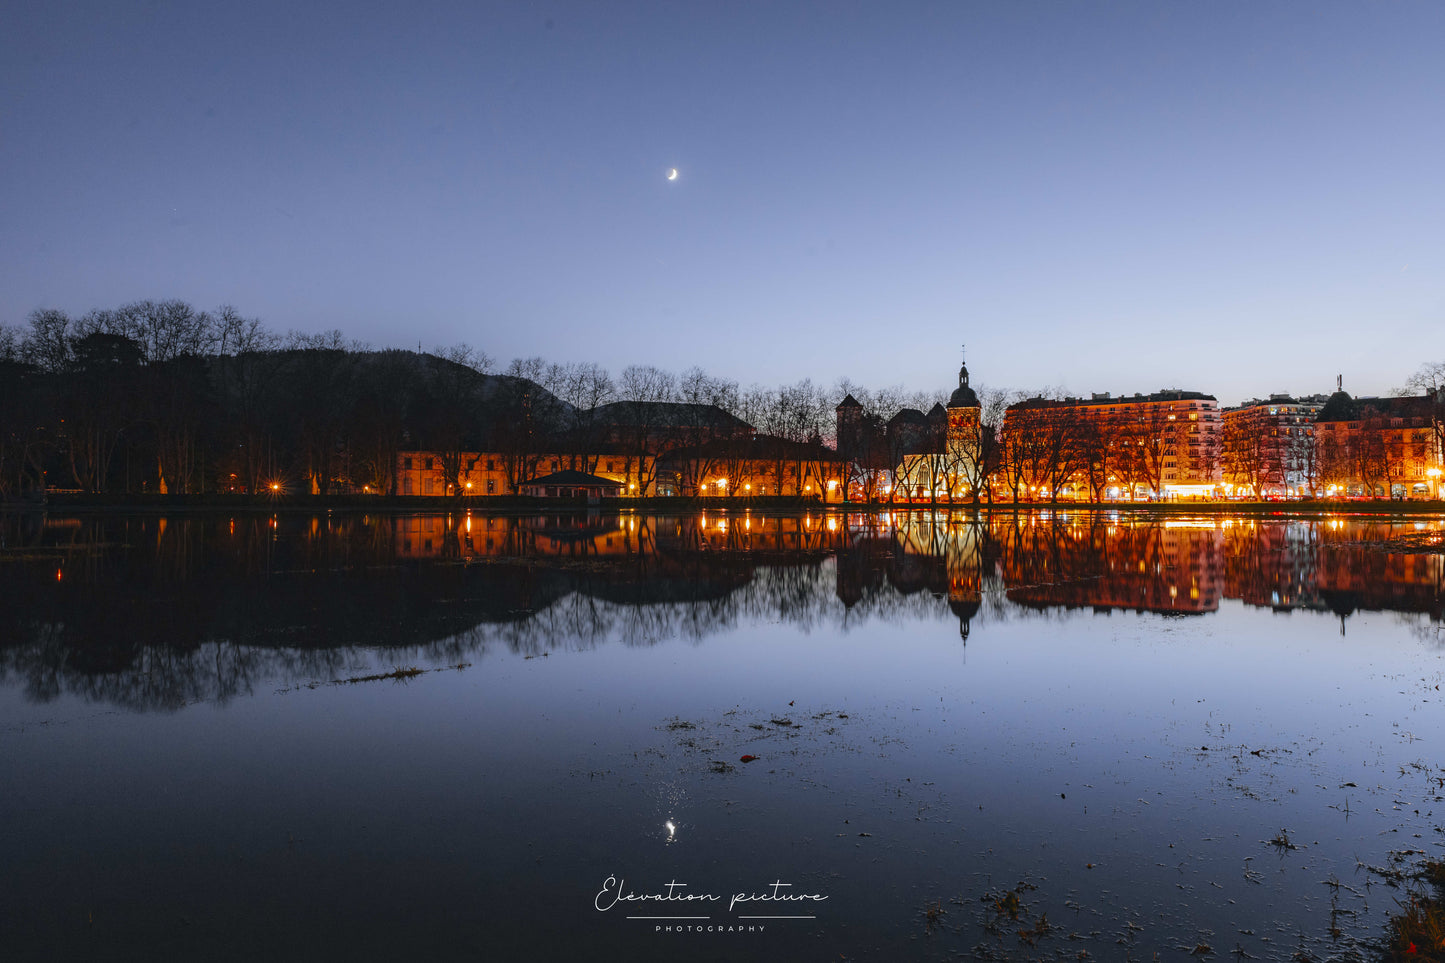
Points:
(1268, 447)
(1160, 445)
(1379, 447)
(490, 473)
(914, 456)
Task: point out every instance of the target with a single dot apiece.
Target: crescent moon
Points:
(672, 174)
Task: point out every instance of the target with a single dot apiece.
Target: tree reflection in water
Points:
(151, 612)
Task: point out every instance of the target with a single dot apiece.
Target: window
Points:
(491, 465)
(406, 464)
(428, 463)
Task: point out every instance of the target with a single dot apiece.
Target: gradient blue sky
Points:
(1236, 198)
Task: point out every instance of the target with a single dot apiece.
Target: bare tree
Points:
(47, 346)
(700, 392)
(166, 329)
(1430, 382)
(584, 386)
(99, 405)
(1154, 443)
(640, 390)
(528, 419)
(235, 334)
(457, 379)
(10, 341)
(1249, 459)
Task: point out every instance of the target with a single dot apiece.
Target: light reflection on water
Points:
(1118, 715)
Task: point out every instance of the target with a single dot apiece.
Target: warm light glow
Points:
(832, 484)
(275, 486)
(469, 484)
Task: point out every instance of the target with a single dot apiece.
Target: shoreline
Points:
(403, 505)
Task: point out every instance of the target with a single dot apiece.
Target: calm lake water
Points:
(465, 737)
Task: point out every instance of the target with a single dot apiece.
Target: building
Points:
(1268, 447)
(938, 456)
(492, 473)
(753, 465)
(1379, 447)
(1161, 445)
(572, 484)
(655, 425)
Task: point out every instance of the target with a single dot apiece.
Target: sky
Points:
(1236, 198)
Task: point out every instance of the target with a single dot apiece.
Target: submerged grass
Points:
(1417, 933)
(407, 673)
(398, 674)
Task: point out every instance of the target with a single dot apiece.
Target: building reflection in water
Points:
(155, 612)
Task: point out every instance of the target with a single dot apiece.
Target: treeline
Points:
(159, 397)
(156, 396)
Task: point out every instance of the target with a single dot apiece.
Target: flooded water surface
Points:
(736, 736)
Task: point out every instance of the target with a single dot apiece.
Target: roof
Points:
(963, 397)
(668, 414)
(1341, 407)
(1136, 399)
(1281, 400)
(911, 415)
(849, 402)
(756, 447)
(570, 476)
